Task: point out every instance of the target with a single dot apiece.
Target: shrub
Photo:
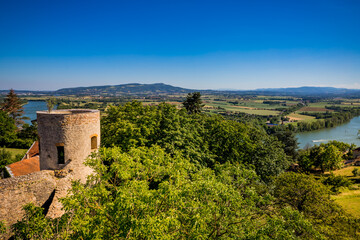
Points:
(356, 172)
(336, 182)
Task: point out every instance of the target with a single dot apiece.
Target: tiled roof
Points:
(24, 166)
(33, 150)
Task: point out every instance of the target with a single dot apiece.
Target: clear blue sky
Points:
(47, 45)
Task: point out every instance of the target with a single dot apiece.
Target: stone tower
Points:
(67, 138)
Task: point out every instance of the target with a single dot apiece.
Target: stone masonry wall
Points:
(73, 129)
(16, 192)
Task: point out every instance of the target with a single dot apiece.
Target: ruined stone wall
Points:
(72, 129)
(16, 192)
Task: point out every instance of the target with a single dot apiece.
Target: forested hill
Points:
(125, 89)
(164, 89)
(138, 89)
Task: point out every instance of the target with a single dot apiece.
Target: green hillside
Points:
(125, 89)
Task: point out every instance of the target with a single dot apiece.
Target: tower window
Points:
(93, 142)
(61, 154)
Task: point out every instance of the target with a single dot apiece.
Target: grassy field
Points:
(262, 112)
(323, 104)
(349, 199)
(347, 171)
(15, 151)
(252, 106)
(248, 110)
(300, 117)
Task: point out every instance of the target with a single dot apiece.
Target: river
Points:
(31, 107)
(346, 132)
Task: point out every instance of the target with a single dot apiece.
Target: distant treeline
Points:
(328, 119)
(324, 119)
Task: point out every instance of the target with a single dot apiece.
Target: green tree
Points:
(201, 138)
(145, 193)
(34, 225)
(6, 158)
(13, 107)
(336, 182)
(312, 198)
(28, 132)
(304, 193)
(327, 157)
(148, 194)
(7, 129)
(193, 102)
(306, 163)
(289, 140)
(50, 103)
(355, 172)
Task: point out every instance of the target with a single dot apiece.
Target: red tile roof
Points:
(24, 166)
(33, 150)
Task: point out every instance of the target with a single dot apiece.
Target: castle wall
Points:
(73, 130)
(16, 192)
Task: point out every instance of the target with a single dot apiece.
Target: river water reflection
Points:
(344, 133)
(31, 107)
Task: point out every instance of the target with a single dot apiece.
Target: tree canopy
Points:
(204, 139)
(326, 157)
(162, 173)
(193, 102)
(145, 193)
(13, 107)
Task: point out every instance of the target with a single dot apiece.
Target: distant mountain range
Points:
(137, 89)
(125, 89)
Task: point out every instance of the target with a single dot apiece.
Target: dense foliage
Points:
(11, 136)
(326, 157)
(193, 103)
(145, 193)
(6, 158)
(12, 105)
(163, 173)
(13, 132)
(310, 197)
(204, 139)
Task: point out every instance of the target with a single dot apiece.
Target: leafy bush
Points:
(145, 193)
(355, 172)
(336, 182)
(6, 159)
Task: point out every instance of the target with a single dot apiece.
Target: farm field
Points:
(272, 106)
(314, 109)
(249, 106)
(344, 103)
(300, 117)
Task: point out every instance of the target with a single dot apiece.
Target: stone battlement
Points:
(68, 111)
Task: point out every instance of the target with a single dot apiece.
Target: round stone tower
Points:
(67, 138)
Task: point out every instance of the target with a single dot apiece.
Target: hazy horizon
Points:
(190, 44)
(217, 89)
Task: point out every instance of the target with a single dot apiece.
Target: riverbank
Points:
(346, 132)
